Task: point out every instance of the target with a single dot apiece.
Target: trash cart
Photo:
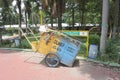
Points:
(58, 48)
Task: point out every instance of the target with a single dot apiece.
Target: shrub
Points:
(112, 51)
(94, 39)
(25, 44)
(82, 51)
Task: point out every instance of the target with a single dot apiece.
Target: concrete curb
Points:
(18, 49)
(100, 62)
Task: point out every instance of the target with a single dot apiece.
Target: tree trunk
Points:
(59, 14)
(73, 17)
(0, 38)
(26, 22)
(82, 13)
(79, 14)
(51, 16)
(20, 16)
(116, 18)
(51, 20)
(104, 31)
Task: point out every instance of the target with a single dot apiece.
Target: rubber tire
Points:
(47, 60)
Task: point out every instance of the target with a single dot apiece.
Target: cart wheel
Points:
(52, 60)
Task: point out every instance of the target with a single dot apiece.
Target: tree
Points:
(4, 9)
(116, 18)
(83, 12)
(20, 17)
(104, 31)
(61, 6)
(5, 3)
(55, 8)
(27, 13)
(0, 28)
(51, 8)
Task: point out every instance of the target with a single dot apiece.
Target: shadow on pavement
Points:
(35, 60)
(75, 64)
(41, 60)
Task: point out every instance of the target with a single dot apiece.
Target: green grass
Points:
(25, 44)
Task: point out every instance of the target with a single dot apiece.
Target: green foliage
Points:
(10, 31)
(113, 46)
(5, 44)
(112, 51)
(82, 51)
(94, 39)
(90, 11)
(25, 44)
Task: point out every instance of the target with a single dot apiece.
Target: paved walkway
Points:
(20, 65)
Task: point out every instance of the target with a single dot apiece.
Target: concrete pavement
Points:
(21, 65)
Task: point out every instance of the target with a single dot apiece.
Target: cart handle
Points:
(27, 37)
